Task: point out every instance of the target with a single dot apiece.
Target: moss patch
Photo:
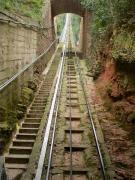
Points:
(124, 47)
(131, 117)
(27, 95)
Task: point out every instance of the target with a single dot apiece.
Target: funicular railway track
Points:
(70, 149)
(67, 158)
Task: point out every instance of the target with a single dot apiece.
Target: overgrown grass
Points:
(29, 8)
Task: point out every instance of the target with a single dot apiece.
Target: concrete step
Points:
(34, 115)
(16, 166)
(71, 71)
(71, 74)
(75, 130)
(23, 143)
(32, 120)
(36, 111)
(72, 105)
(46, 87)
(46, 84)
(71, 78)
(37, 108)
(43, 91)
(38, 104)
(40, 94)
(28, 130)
(40, 101)
(73, 91)
(25, 136)
(71, 82)
(30, 125)
(20, 150)
(71, 86)
(75, 147)
(73, 118)
(76, 170)
(71, 68)
(17, 159)
(72, 97)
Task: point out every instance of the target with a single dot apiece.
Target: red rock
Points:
(131, 99)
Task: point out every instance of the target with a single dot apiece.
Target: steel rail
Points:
(54, 126)
(5, 84)
(70, 126)
(49, 122)
(93, 125)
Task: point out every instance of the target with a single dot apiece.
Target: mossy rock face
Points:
(95, 70)
(21, 110)
(12, 120)
(7, 127)
(5, 130)
(27, 95)
(131, 117)
(5, 135)
(2, 114)
(124, 47)
(32, 85)
(22, 107)
(20, 114)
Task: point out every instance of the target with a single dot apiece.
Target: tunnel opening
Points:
(76, 34)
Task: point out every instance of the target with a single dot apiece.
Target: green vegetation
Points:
(112, 29)
(60, 20)
(29, 8)
(124, 47)
(76, 26)
(118, 12)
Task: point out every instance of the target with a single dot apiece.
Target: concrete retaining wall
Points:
(18, 47)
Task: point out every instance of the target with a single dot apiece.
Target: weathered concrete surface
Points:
(18, 47)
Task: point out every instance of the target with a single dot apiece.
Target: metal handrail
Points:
(5, 84)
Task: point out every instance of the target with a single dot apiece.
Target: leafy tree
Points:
(76, 26)
(119, 12)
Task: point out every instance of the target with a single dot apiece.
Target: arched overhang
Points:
(66, 6)
(58, 7)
